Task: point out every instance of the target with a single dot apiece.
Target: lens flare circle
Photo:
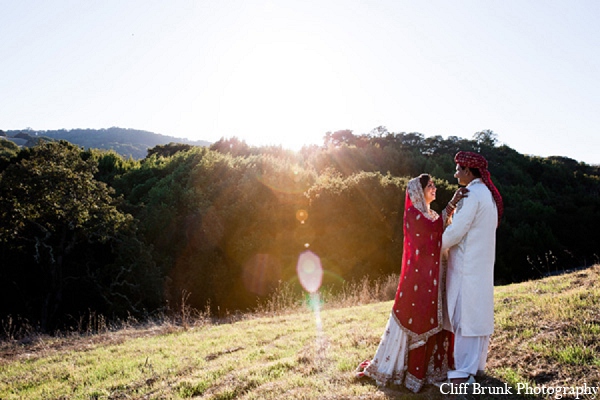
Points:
(261, 273)
(301, 215)
(310, 271)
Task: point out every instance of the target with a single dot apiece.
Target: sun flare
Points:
(289, 88)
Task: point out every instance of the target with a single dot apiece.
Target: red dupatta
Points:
(418, 306)
(418, 303)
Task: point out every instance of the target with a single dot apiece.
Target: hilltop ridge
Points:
(126, 142)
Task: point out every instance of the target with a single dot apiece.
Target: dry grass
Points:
(547, 330)
(546, 334)
(286, 300)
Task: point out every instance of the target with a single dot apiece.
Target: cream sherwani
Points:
(471, 243)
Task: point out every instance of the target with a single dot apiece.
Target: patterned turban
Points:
(474, 160)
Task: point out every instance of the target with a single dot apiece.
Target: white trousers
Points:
(470, 355)
(470, 352)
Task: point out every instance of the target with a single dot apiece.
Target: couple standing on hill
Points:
(442, 320)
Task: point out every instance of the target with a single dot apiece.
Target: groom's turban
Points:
(474, 160)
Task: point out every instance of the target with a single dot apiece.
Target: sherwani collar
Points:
(474, 182)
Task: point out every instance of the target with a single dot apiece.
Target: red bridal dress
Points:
(414, 349)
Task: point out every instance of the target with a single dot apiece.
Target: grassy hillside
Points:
(546, 334)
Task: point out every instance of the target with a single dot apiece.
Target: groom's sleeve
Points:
(461, 222)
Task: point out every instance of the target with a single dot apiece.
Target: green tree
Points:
(168, 150)
(8, 150)
(58, 228)
(486, 138)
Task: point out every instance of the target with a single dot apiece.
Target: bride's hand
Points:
(459, 195)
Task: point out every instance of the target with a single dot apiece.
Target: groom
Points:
(471, 241)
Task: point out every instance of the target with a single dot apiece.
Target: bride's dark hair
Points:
(424, 178)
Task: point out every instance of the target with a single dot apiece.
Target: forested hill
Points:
(126, 142)
(87, 232)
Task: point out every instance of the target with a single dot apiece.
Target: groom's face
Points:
(462, 174)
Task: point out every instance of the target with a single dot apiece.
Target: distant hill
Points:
(127, 142)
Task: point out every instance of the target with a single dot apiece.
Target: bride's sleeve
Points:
(447, 214)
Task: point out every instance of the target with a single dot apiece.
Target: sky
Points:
(286, 72)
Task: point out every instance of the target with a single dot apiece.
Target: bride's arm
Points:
(451, 206)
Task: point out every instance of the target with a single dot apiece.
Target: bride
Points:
(414, 349)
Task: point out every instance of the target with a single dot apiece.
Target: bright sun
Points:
(287, 90)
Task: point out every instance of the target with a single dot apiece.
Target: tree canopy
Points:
(90, 230)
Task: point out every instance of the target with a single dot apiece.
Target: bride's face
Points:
(429, 192)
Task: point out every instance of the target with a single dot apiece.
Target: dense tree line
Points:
(66, 246)
(89, 231)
